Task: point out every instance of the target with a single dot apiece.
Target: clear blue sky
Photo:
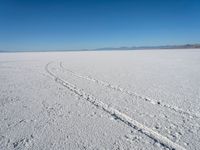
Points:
(73, 24)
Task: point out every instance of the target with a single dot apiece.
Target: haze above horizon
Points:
(60, 24)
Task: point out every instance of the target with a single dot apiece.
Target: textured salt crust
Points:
(114, 112)
(156, 105)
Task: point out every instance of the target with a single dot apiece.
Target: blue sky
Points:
(73, 24)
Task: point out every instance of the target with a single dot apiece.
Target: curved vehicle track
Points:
(164, 141)
(133, 94)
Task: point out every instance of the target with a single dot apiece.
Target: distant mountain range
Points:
(186, 46)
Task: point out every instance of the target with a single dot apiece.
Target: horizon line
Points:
(179, 46)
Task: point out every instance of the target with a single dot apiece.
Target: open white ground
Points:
(103, 100)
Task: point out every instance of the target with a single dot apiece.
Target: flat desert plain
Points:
(106, 100)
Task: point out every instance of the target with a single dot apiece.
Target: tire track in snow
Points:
(164, 141)
(122, 90)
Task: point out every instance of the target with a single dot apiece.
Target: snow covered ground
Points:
(146, 99)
